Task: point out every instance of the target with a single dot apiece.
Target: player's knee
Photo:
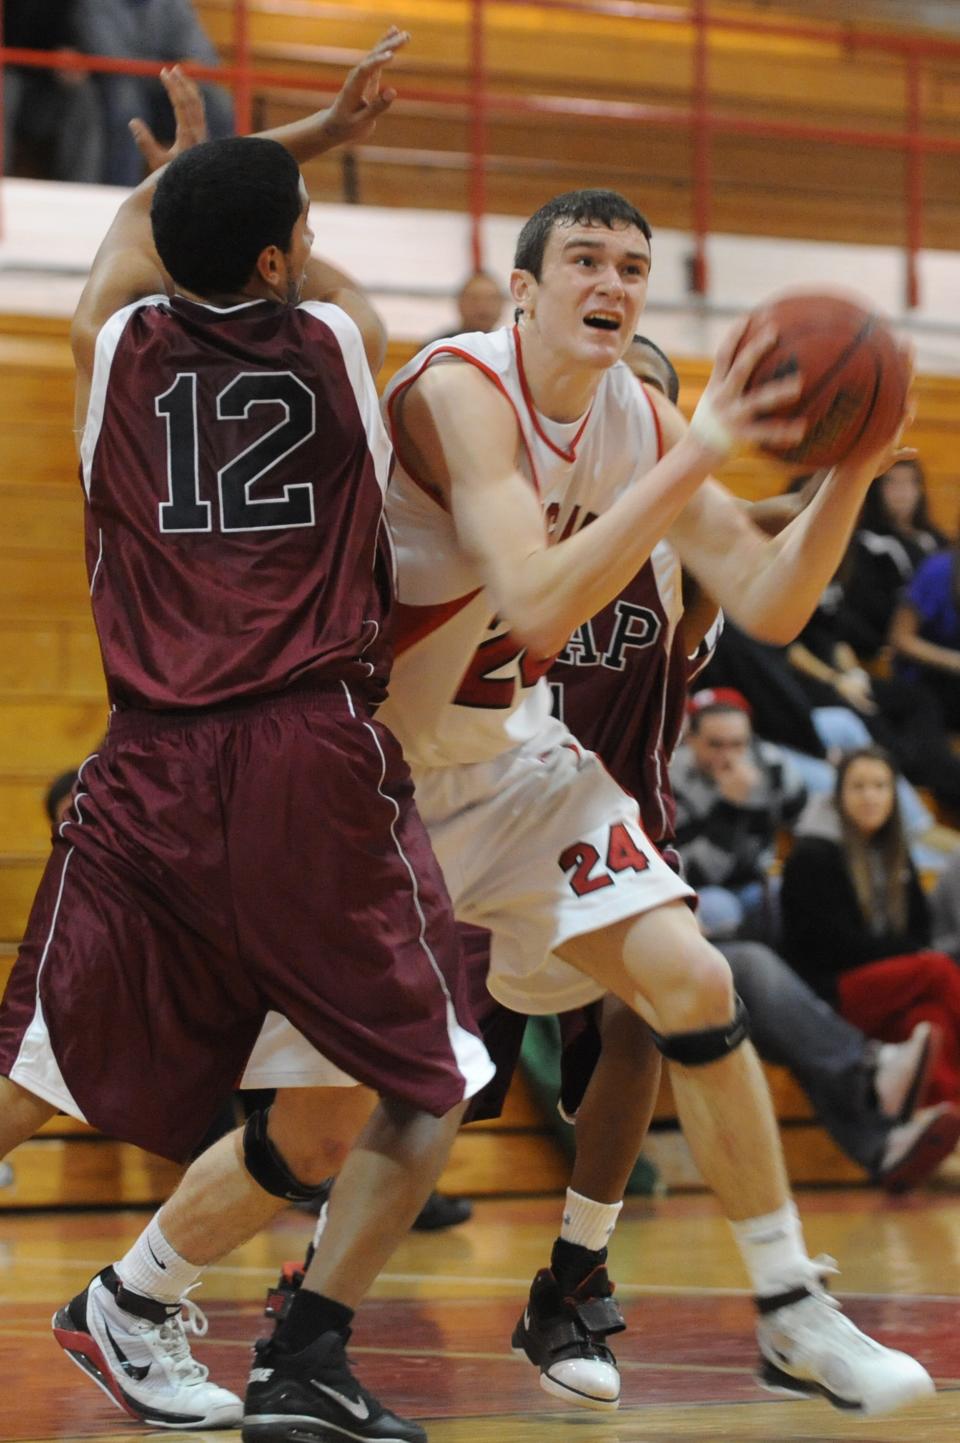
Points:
(697, 991)
(295, 1178)
(702, 1045)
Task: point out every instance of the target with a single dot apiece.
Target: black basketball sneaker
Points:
(312, 1397)
(563, 1335)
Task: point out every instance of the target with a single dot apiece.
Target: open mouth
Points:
(602, 321)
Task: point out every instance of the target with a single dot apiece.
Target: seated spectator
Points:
(733, 794)
(864, 1093)
(856, 923)
(162, 30)
(815, 697)
(894, 535)
(480, 302)
(925, 634)
(58, 112)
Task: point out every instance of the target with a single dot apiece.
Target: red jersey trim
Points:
(491, 375)
(571, 453)
(411, 624)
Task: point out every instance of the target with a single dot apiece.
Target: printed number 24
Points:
(623, 855)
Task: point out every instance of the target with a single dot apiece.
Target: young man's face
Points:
(592, 289)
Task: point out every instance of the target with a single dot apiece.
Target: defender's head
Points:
(229, 217)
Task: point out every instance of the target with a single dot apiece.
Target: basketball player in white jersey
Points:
(528, 492)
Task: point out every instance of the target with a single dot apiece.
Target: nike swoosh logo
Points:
(356, 1407)
(131, 1369)
(160, 1265)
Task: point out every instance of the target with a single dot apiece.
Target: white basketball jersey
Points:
(462, 688)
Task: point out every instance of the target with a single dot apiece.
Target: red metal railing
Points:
(700, 119)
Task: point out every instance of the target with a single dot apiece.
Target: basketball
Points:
(855, 376)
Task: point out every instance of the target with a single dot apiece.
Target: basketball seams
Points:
(854, 395)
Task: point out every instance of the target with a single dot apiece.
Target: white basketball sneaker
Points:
(139, 1355)
(564, 1335)
(809, 1349)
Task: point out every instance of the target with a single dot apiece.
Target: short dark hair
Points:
(574, 207)
(217, 206)
(673, 380)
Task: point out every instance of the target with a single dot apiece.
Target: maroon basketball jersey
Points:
(620, 685)
(235, 465)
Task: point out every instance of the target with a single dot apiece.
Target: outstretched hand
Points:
(188, 113)
(729, 415)
(361, 101)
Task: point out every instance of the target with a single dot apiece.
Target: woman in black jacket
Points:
(894, 535)
(856, 924)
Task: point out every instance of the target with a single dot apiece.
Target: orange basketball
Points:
(855, 376)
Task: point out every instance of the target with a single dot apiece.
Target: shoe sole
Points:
(783, 1385)
(922, 1075)
(300, 1428)
(933, 1145)
(83, 1351)
(558, 1390)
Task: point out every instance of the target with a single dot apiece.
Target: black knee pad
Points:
(706, 1044)
(267, 1168)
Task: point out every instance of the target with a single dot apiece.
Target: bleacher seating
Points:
(761, 184)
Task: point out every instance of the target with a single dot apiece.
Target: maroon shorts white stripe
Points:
(220, 866)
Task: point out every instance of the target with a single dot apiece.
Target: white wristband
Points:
(707, 428)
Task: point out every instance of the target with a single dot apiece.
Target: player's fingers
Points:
(381, 54)
(728, 346)
(146, 142)
(750, 355)
(772, 395)
(779, 434)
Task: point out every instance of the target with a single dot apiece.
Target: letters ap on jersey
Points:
(443, 711)
(234, 521)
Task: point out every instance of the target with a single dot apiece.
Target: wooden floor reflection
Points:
(433, 1340)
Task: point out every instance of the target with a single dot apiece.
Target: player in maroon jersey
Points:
(244, 842)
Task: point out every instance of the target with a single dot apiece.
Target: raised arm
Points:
(770, 515)
(770, 586)
(127, 267)
(455, 431)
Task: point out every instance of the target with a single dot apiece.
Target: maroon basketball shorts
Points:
(267, 857)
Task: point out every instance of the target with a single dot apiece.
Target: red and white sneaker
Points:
(136, 1350)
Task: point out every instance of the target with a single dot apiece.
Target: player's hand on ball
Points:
(729, 416)
(361, 101)
(879, 462)
(188, 113)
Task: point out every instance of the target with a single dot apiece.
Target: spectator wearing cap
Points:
(734, 793)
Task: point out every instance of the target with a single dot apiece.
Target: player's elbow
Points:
(539, 627)
(771, 630)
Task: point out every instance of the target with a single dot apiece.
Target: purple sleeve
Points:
(925, 591)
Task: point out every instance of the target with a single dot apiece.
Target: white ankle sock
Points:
(587, 1223)
(152, 1267)
(773, 1250)
(321, 1224)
